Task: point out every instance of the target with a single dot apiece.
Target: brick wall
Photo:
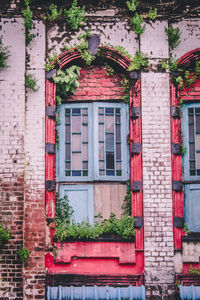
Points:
(158, 234)
(12, 111)
(96, 85)
(34, 145)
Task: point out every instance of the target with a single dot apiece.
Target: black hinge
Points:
(50, 148)
(136, 148)
(138, 222)
(178, 222)
(175, 111)
(137, 186)
(176, 149)
(135, 112)
(50, 111)
(50, 185)
(177, 186)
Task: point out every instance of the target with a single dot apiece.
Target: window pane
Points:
(101, 132)
(67, 119)
(118, 133)
(84, 133)
(198, 124)
(118, 165)
(76, 142)
(109, 123)
(85, 151)
(67, 133)
(109, 160)
(197, 142)
(85, 165)
(101, 150)
(109, 142)
(101, 165)
(76, 123)
(198, 161)
(76, 161)
(68, 165)
(67, 151)
(109, 111)
(192, 150)
(191, 132)
(118, 151)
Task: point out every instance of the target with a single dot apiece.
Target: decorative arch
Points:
(67, 58)
(188, 94)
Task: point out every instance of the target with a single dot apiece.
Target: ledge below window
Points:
(124, 252)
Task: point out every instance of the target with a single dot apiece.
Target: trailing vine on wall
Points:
(28, 22)
(4, 54)
(54, 12)
(75, 16)
(5, 235)
(31, 82)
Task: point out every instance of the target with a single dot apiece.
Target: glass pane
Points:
(109, 142)
(85, 151)
(192, 150)
(84, 133)
(109, 111)
(76, 111)
(67, 133)
(101, 150)
(110, 123)
(76, 142)
(198, 124)
(119, 173)
(76, 123)
(101, 132)
(76, 161)
(67, 151)
(101, 118)
(101, 110)
(117, 120)
(191, 132)
(118, 165)
(118, 133)
(192, 165)
(101, 165)
(67, 119)
(85, 165)
(84, 111)
(68, 165)
(191, 119)
(190, 111)
(102, 172)
(84, 119)
(118, 151)
(197, 142)
(109, 160)
(198, 161)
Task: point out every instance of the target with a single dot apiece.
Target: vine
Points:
(54, 12)
(66, 228)
(28, 22)
(67, 81)
(194, 270)
(75, 16)
(30, 82)
(82, 47)
(5, 235)
(173, 36)
(152, 14)
(23, 254)
(51, 61)
(4, 54)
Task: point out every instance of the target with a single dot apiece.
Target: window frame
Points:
(185, 141)
(93, 161)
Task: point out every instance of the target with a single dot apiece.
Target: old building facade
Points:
(98, 148)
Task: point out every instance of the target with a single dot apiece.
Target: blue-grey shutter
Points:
(192, 206)
(96, 292)
(189, 292)
(81, 199)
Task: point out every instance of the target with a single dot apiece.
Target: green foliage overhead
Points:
(67, 80)
(30, 82)
(132, 5)
(23, 254)
(66, 228)
(75, 16)
(136, 24)
(194, 270)
(28, 22)
(5, 235)
(51, 60)
(82, 47)
(152, 14)
(173, 36)
(139, 61)
(4, 53)
(54, 12)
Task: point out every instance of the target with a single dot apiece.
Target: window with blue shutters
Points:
(191, 164)
(93, 142)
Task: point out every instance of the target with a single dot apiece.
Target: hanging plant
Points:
(139, 61)
(4, 54)
(75, 16)
(54, 12)
(28, 22)
(67, 81)
(5, 235)
(173, 36)
(30, 82)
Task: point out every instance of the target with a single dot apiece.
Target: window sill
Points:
(67, 251)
